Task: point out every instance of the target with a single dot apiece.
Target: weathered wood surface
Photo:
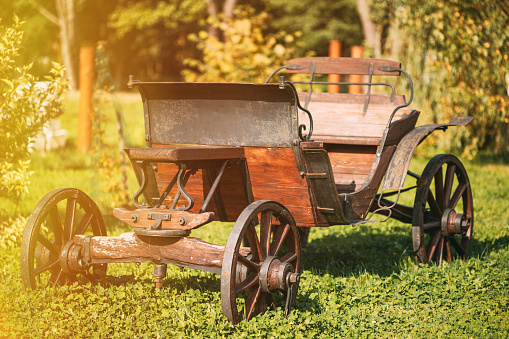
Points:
(273, 174)
(141, 219)
(339, 117)
(184, 251)
(232, 190)
(346, 66)
(185, 153)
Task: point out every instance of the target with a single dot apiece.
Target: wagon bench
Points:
(271, 159)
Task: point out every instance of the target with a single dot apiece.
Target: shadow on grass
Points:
(380, 254)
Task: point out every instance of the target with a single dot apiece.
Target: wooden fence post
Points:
(334, 52)
(356, 52)
(86, 86)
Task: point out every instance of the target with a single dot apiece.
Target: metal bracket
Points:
(159, 218)
(368, 94)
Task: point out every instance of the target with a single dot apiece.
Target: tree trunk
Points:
(368, 27)
(65, 11)
(228, 7)
(212, 11)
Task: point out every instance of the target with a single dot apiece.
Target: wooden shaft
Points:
(127, 247)
(86, 83)
(334, 52)
(357, 52)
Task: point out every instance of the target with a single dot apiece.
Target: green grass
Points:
(356, 281)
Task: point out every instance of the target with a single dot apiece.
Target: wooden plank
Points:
(270, 157)
(185, 153)
(348, 66)
(353, 98)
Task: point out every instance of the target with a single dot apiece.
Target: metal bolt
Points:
(182, 221)
(294, 278)
(135, 218)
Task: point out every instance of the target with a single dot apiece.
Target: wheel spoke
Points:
(251, 300)
(57, 224)
(70, 214)
(449, 180)
(447, 250)
(265, 231)
(457, 246)
(279, 237)
(439, 188)
(57, 277)
(254, 243)
(457, 195)
(84, 223)
(270, 302)
(288, 258)
(429, 225)
(260, 303)
(433, 205)
(432, 246)
(440, 252)
(251, 265)
(247, 283)
(48, 244)
(46, 267)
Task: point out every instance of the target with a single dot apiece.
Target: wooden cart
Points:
(274, 161)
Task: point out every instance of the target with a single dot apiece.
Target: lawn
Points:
(356, 281)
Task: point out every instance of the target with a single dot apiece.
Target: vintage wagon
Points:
(239, 152)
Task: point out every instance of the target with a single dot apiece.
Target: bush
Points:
(244, 54)
(459, 59)
(25, 106)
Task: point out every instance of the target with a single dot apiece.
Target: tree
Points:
(319, 21)
(246, 53)
(458, 57)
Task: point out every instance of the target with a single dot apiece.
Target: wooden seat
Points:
(351, 126)
(185, 153)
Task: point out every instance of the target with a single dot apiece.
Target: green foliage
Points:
(40, 39)
(25, 106)
(320, 21)
(108, 156)
(245, 54)
(142, 15)
(458, 56)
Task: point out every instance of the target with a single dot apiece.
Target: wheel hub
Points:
(276, 275)
(71, 259)
(454, 223)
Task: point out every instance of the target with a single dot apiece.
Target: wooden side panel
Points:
(231, 188)
(274, 176)
(351, 165)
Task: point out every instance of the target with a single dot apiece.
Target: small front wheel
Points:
(443, 218)
(268, 263)
(59, 216)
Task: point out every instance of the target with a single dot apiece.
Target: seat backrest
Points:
(346, 118)
(219, 114)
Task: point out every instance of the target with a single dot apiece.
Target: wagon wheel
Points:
(443, 217)
(270, 263)
(46, 236)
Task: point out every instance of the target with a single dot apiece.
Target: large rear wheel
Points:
(443, 218)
